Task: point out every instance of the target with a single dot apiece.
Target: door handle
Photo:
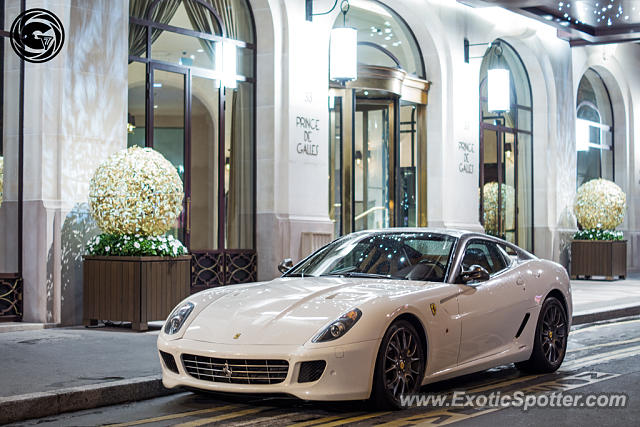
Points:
(519, 281)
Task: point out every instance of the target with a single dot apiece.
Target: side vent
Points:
(523, 324)
(169, 361)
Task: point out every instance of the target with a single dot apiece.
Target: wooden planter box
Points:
(134, 289)
(599, 258)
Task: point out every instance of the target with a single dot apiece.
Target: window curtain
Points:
(202, 20)
(241, 186)
(163, 13)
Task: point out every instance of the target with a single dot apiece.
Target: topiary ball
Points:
(136, 191)
(600, 204)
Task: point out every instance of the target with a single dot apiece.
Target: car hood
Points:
(286, 310)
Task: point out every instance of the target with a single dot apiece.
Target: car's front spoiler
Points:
(347, 376)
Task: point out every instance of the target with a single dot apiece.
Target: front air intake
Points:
(169, 362)
(311, 371)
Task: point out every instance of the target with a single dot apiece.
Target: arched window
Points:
(506, 157)
(384, 38)
(594, 129)
(191, 97)
(374, 178)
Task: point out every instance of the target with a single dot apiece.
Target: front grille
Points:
(169, 361)
(311, 371)
(235, 371)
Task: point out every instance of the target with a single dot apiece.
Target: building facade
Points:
(277, 159)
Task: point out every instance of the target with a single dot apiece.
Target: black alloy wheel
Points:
(399, 366)
(550, 342)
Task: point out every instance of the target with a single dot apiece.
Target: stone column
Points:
(75, 116)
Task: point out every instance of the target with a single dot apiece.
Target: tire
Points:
(405, 368)
(550, 342)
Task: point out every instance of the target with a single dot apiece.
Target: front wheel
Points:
(550, 343)
(399, 365)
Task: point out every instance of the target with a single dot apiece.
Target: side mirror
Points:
(475, 273)
(285, 265)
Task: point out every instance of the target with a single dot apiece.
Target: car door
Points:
(491, 311)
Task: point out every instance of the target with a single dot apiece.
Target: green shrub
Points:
(135, 245)
(598, 234)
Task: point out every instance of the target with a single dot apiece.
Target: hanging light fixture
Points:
(343, 50)
(226, 54)
(498, 83)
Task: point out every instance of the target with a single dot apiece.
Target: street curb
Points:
(44, 404)
(581, 319)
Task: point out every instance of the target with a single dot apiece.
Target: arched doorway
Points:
(191, 97)
(377, 137)
(594, 130)
(506, 152)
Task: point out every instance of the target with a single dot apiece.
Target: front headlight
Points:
(177, 317)
(340, 327)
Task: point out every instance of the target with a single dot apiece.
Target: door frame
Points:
(500, 141)
(186, 141)
(391, 105)
(188, 74)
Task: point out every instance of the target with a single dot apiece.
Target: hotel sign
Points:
(308, 131)
(466, 164)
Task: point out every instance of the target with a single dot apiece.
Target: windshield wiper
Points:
(361, 274)
(298, 275)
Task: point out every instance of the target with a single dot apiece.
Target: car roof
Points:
(462, 235)
(448, 231)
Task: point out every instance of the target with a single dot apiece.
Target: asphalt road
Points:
(602, 359)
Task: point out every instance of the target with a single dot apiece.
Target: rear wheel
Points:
(399, 366)
(550, 343)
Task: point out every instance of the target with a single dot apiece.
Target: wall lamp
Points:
(498, 77)
(343, 50)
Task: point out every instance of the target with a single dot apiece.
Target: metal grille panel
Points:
(235, 371)
(10, 297)
(311, 371)
(222, 267)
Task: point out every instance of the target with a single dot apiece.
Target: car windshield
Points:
(386, 255)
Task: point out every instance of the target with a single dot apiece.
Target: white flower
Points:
(107, 248)
(137, 245)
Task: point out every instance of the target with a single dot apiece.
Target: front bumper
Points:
(348, 374)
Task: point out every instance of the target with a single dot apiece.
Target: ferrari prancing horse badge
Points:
(433, 308)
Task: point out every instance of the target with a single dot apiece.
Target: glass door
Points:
(372, 160)
(377, 160)
(168, 128)
(408, 156)
(184, 127)
(499, 183)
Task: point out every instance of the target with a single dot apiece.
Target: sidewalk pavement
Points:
(47, 370)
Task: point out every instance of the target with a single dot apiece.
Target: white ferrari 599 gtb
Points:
(374, 314)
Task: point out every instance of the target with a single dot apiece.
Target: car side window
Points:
(485, 254)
